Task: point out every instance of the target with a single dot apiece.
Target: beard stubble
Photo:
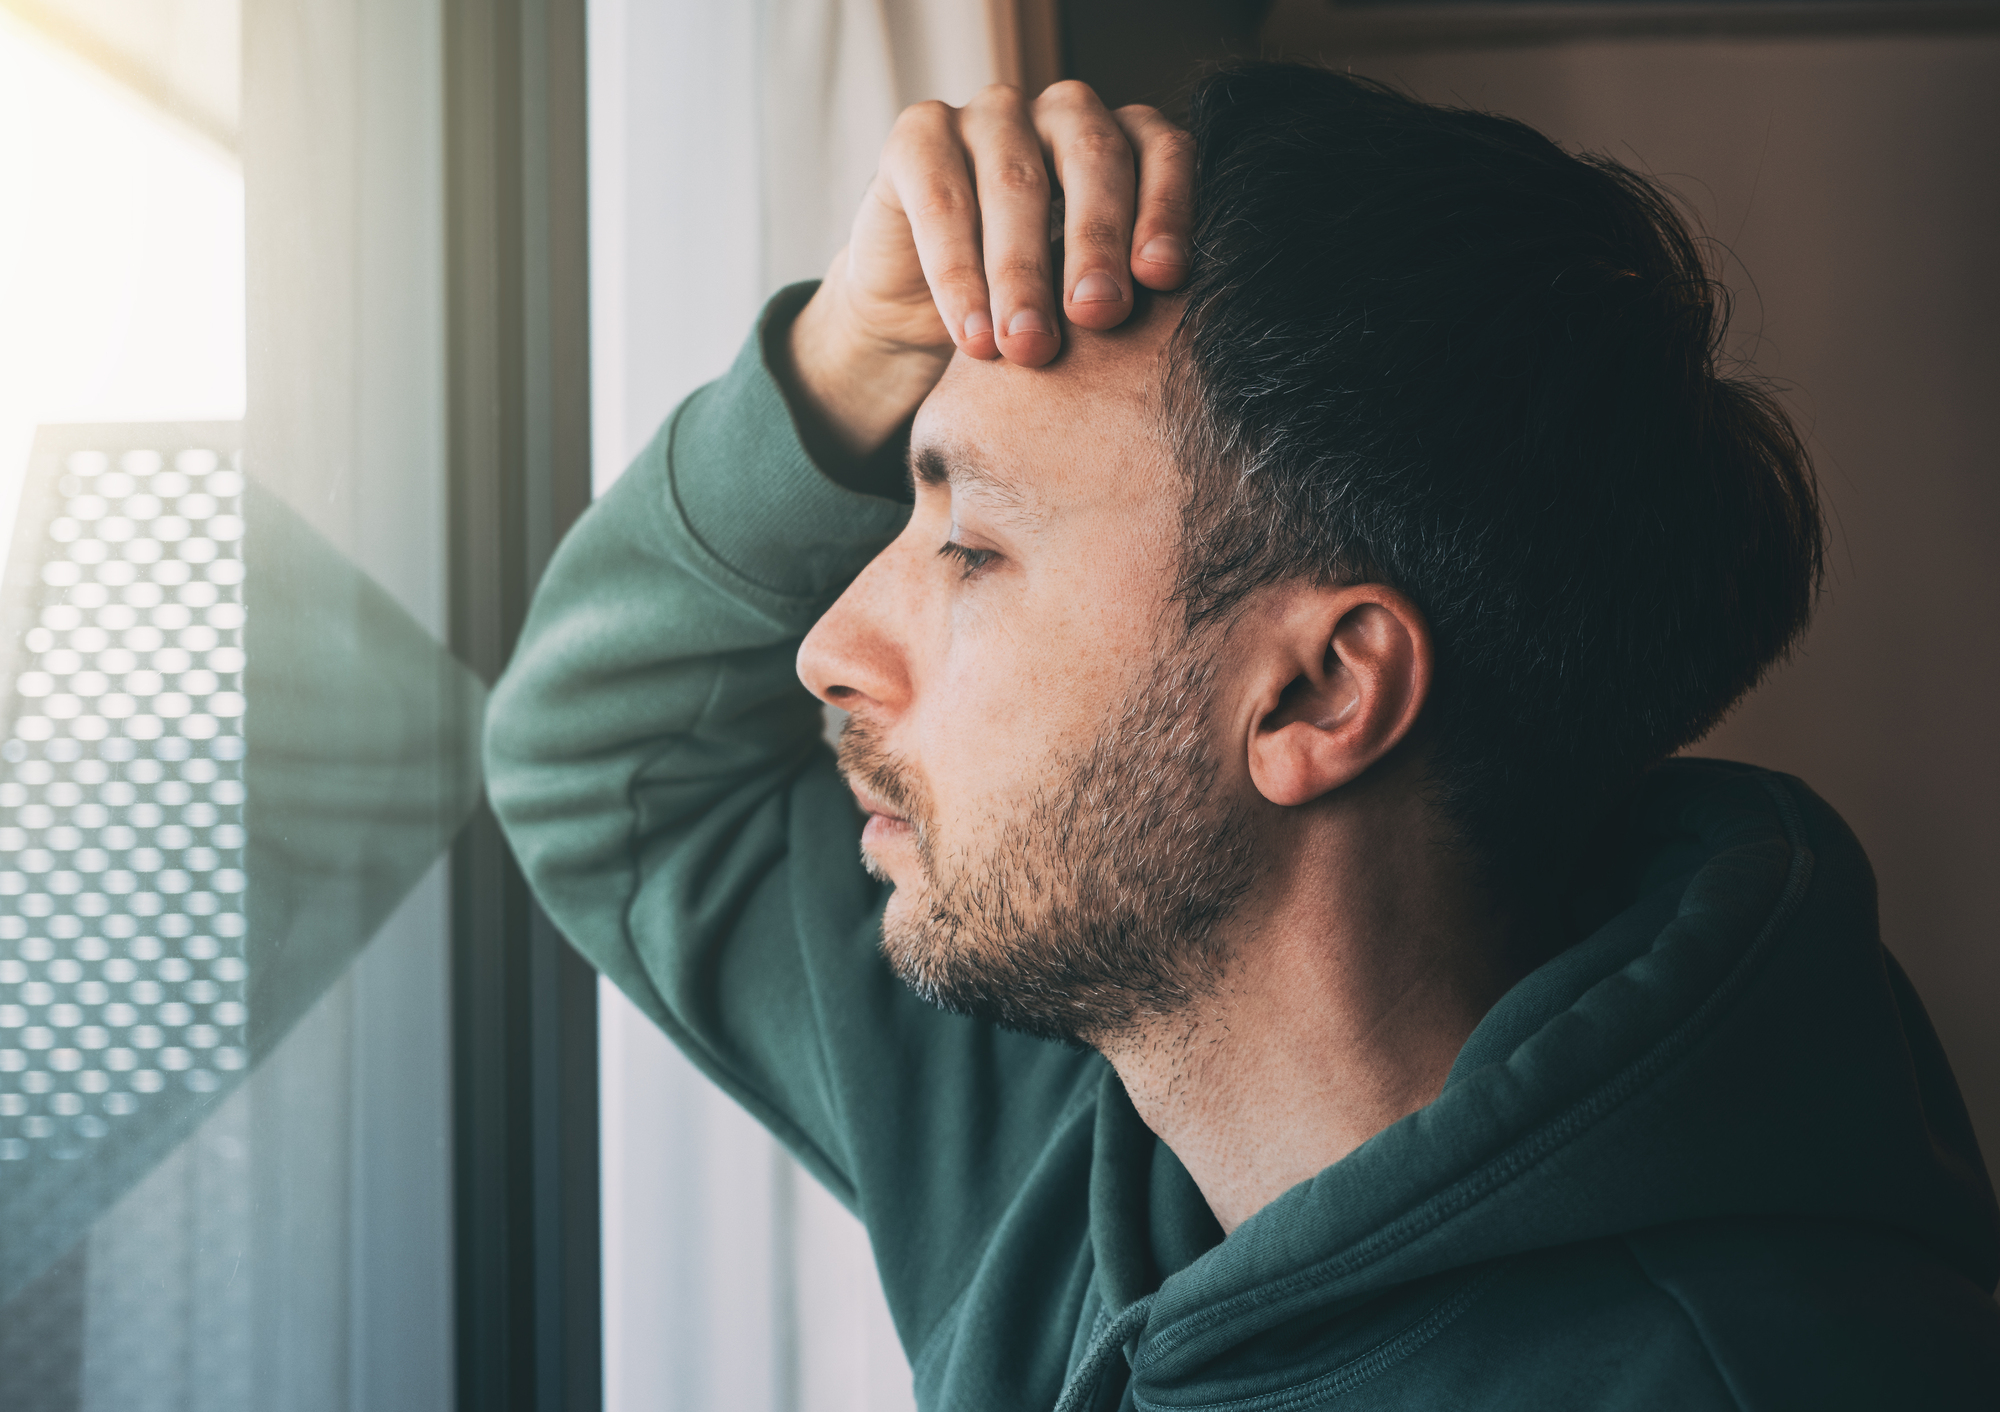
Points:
(1095, 909)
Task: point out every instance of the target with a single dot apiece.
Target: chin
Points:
(904, 907)
(879, 868)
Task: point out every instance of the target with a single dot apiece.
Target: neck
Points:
(1351, 982)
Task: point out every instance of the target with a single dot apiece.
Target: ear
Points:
(1346, 672)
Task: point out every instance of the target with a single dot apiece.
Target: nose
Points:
(855, 656)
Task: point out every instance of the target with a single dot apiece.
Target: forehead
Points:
(1074, 428)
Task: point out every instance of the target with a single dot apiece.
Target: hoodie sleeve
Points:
(661, 774)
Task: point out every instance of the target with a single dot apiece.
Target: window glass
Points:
(232, 749)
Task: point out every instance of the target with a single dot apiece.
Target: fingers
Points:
(974, 185)
(926, 175)
(1161, 251)
(1093, 161)
(1014, 193)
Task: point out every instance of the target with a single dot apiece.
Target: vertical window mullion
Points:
(524, 1045)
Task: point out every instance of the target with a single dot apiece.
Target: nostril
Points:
(840, 693)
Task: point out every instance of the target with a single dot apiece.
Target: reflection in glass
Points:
(232, 747)
(141, 969)
(122, 968)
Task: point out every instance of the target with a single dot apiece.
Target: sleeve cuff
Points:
(750, 494)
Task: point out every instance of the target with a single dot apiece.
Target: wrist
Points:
(852, 389)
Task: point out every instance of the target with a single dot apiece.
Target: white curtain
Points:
(730, 146)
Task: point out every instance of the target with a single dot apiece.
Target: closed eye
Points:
(973, 559)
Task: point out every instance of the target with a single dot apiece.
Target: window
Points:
(282, 1057)
(298, 1091)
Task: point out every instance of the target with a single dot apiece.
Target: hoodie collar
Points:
(1731, 1041)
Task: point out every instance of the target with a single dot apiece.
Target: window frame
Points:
(524, 1007)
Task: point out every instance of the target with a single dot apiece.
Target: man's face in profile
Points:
(1031, 729)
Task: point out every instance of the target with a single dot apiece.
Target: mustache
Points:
(862, 757)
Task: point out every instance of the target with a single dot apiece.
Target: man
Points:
(1288, 970)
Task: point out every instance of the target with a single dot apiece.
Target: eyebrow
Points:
(936, 465)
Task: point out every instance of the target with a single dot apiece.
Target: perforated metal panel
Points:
(122, 969)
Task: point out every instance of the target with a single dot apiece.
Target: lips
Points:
(882, 790)
(874, 805)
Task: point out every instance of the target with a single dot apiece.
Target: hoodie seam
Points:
(1511, 1164)
(1694, 1325)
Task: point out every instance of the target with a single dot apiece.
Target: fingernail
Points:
(1096, 289)
(1028, 321)
(1164, 250)
(976, 323)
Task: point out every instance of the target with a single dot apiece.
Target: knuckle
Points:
(940, 201)
(1018, 177)
(1171, 202)
(1069, 93)
(1096, 231)
(998, 95)
(958, 273)
(928, 115)
(1096, 144)
(1021, 268)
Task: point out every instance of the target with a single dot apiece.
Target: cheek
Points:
(1011, 692)
(975, 736)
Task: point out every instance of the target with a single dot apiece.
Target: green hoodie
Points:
(1711, 1156)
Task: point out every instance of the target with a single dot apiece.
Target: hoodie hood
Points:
(1728, 1040)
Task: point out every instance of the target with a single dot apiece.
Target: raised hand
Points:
(952, 248)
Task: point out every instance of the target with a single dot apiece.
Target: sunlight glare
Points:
(121, 259)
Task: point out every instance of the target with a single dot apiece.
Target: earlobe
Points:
(1350, 671)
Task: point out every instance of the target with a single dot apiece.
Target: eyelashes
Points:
(972, 560)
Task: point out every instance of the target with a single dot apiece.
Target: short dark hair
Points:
(1427, 347)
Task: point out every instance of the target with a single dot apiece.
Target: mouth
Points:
(885, 824)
